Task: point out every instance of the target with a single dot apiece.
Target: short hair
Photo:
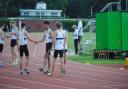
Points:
(2, 24)
(22, 25)
(74, 26)
(46, 22)
(58, 25)
(12, 22)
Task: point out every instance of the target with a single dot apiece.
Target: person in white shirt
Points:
(59, 40)
(48, 39)
(23, 36)
(13, 44)
(80, 34)
(75, 36)
(2, 37)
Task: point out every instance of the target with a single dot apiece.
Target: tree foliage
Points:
(72, 8)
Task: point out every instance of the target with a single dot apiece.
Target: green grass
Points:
(87, 36)
(89, 59)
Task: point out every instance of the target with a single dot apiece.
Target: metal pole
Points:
(6, 7)
(91, 11)
(40, 14)
(126, 5)
(119, 5)
(111, 7)
(20, 24)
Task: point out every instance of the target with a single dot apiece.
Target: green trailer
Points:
(114, 30)
(125, 31)
(101, 36)
(110, 39)
(108, 31)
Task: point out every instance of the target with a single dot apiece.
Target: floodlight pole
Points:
(91, 11)
(19, 24)
(126, 5)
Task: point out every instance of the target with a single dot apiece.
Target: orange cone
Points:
(126, 60)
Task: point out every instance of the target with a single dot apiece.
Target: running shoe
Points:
(26, 71)
(1, 65)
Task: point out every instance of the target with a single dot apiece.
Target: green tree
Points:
(56, 4)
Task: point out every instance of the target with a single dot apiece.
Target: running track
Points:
(78, 76)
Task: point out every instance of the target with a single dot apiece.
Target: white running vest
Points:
(22, 37)
(80, 28)
(13, 36)
(59, 44)
(75, 34)
(48, 37)
(1, 39)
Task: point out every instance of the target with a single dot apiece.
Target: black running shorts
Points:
(58, 52)
(1, 47)
(13, 43)
(24, 49)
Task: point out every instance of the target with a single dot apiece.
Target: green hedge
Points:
(4, 20)
(69, 23)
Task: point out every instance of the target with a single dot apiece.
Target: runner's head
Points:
(59, 25)
(2, 26)
(46, 23)
(74, 27)
(12, 23)
(23, 26)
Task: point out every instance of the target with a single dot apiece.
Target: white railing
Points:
(109, 5)
(90, 23)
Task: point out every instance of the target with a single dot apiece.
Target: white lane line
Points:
(91, 78)
(100, 81)
(6, 54)
(11, 86)
(6, 48)
(82, 67)
(93, 68)
(86, 72)
(34, 82)
(35, 50)
(96, 85)
(82, 73)
(36, 46)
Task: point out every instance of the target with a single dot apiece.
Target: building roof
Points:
(34, 10)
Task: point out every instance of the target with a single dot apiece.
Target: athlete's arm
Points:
(65, 40)
(54, 38)
(2, 34)
(41, 40)
(29, 38)
(52, 35)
